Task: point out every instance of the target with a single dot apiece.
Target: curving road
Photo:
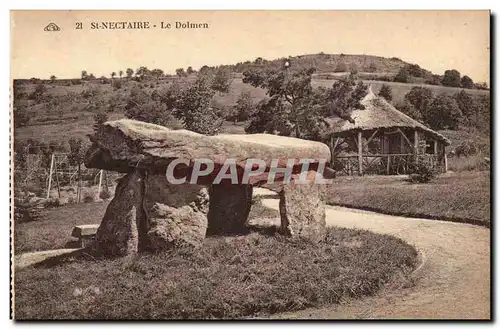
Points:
(452, 283)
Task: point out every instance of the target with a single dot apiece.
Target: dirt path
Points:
(453, 283)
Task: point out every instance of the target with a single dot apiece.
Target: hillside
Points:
(66, 108)
(330, 63)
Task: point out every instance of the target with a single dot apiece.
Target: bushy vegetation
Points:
(443, 111)
(420, 172)
(295, 108)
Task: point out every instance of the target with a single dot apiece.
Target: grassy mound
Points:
(229, 277)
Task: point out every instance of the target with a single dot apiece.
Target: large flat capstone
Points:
(124, 144)
(150, 212)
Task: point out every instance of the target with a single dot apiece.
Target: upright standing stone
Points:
(229, 209)
(118, 233)
(302, 212)
(177, 214)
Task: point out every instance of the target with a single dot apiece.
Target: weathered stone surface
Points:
(84, 230)
(229, 209)
(302, 212)
(118, 233)
(177, 214)
(124, 144)
(148, 213)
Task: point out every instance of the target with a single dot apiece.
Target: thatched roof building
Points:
(400, 139)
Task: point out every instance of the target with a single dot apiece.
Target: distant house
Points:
(382, 140)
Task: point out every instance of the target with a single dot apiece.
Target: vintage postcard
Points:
(250, 165)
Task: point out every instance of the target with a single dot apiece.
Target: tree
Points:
(38, 93)
(204, 69)
(120, 73)
(415, 70)
(91, 76)
(195, 110)
(84, 75)
(293, 107)
(21, 117)
(258, 61)
(180, 72)
(385, 92)
(53, 78)
(244, 107)
(433, 79)
(148, 108)
(402, 76)
(189, 70)
(443, 113)
(345, 96)
(113, 75)
(465, 103)
(157, 73)
(466, 82)
(142, 73)
(451, 78)
(76, 151)
(129, 72)
(222, 81)
(418, 101)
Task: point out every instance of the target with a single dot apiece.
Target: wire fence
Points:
(48, 174)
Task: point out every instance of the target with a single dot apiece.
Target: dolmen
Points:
(180, 186)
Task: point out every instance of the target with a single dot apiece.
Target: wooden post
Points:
(435, 147)
(360, 152)
(79, 187)
(388, 164)
(445, 162)
(331, 151)
(415, 144)
(100, 182)
(57, 179)
(50, 175)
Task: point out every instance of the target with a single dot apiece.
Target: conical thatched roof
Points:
(378, 113)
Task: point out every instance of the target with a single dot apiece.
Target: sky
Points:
(435, 40)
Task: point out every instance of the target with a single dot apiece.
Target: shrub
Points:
(421, 172)
(117, 84)
(104, 195)
(52, 203)
(88, 197)
(402, 76)
(26, 213)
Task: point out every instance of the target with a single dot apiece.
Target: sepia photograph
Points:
(250, 165)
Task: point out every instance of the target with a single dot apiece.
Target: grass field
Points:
(228, 277)
(54, 232)
(462, 197)
(235, 277)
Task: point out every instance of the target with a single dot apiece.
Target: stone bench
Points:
(85, 233)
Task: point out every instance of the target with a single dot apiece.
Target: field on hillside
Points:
(76, 121)
(399, 90)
